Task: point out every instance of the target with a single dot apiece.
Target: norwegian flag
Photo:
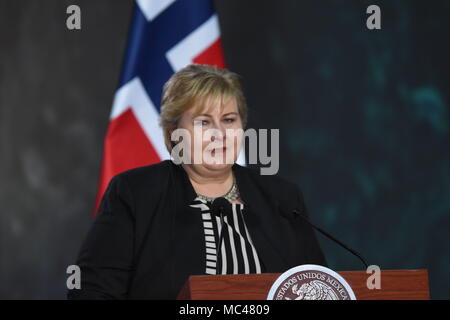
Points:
(165, 36)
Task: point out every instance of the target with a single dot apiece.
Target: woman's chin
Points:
(217, 166)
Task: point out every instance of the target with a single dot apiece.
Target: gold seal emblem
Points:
(310, 282)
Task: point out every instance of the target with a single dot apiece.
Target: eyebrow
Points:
(208, 115)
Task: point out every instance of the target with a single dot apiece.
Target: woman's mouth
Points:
(218, 150)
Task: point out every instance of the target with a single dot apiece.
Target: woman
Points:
(159, 224)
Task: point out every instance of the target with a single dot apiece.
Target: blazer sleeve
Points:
(313, 251)
(106, 256)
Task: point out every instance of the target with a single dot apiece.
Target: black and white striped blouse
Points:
(237, 253)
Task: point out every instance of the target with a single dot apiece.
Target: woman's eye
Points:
(229, 120)
(201, 122)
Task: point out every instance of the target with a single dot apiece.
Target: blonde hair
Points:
(192, 85)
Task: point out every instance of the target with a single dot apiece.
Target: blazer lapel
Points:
(263, 226)
(189, 252)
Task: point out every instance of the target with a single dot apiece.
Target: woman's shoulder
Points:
(159, 168)
(146, 176)
(273, 183)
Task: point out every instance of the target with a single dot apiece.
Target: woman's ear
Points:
(170, 131)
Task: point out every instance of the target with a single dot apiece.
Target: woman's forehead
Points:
(215, 105)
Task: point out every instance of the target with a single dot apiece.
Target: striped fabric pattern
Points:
(237, 253)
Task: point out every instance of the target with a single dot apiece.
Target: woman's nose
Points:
(219, 130)
(218, 133)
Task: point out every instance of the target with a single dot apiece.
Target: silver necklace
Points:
(231, 195)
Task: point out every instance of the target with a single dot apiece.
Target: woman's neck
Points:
(208, 182)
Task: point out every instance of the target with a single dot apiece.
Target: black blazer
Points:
(147, 240)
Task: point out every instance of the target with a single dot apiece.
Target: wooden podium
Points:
(395, 285)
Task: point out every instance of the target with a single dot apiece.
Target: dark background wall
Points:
(363, 118)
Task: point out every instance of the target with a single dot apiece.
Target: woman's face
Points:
(216, 133)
